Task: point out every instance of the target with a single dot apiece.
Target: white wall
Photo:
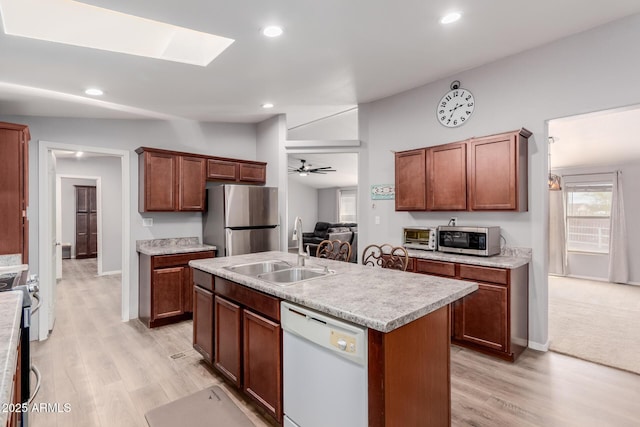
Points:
(270, 138)
(219, 139)
(596, 266)
(68, 209)
(583, 73)
(302, 202)
(328, 204)
(109, 169)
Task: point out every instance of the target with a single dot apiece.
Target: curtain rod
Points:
(595, 173)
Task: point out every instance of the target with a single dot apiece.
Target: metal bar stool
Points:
(334, 249)
(386, 256)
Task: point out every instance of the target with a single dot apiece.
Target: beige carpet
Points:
(595, 321)
(207, 408)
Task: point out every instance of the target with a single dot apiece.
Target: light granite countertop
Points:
(377, 298)
(10, 314)
(509, 258)
(180, 245)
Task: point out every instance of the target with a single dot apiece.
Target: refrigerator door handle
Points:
(229, 246)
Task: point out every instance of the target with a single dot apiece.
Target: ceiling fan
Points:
(306, 169)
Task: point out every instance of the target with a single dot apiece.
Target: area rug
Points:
(595, 321)
(207, 408)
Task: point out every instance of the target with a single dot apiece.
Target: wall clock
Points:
(455, 107)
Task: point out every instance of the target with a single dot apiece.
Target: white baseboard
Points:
(539, 347)
(109, 273)
(597, 279)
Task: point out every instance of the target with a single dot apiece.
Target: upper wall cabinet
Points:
(498, 172)
(447, 177)
(236, 171)
(479, 174)
(171, 181)
(411, 184)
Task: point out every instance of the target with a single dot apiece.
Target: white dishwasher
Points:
(324, 370)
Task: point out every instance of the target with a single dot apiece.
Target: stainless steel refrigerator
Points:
(241, 219)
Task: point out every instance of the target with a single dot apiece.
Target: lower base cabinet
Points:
(237, 330)
(165, 292)
(262, 361)
(494, 319)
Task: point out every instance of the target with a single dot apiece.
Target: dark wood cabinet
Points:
(498, 172)
(245, 329)
(171, 181)
(191, 183)
(166, 287)
(203, 322)
(495, 318)
(479, 174)
(447, 177)
(14, 186)
(262, 362)
(228, 339)
(253, 172)
(411, 184)
(157, 178)
(222, 170)
(86, 222)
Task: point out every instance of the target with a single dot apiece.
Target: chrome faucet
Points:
(297, 235)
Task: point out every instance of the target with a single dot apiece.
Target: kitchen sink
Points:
(293, 275)
(257, 268)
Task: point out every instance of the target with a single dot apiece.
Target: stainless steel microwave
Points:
(424, 238)
(482, 241)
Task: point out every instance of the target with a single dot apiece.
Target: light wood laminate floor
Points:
(113, 372)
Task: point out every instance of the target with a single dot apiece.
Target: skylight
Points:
(80, 24)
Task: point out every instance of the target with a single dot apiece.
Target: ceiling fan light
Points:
(303, 174)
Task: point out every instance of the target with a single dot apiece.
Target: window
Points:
(347, 203)
(588, 217)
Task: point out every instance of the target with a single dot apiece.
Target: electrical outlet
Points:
(377, 220)
(147, 222)
(453, 221)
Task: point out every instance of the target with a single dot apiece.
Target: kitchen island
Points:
(407, 317)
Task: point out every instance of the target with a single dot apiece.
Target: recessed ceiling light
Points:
(272, 31)
(267, 105)
(93, 91)
(450, 17)
(79, 154)
(79, 24)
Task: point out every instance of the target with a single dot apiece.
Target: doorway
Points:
(593, 298)
(323, 187)
(115, 257)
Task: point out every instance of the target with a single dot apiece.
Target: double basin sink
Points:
(279, 272)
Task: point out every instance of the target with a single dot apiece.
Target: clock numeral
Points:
(443, 118)
(462, 119)
(468, 112)
(441, 112)
(443, 104)
(455, 122)
(455, 93)
(470, 104)
(448, 98)
(467, 98)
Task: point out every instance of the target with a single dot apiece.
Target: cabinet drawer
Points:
(178, 259)
(440, 268)
(262, 303)
(202, 279)
(484, 274)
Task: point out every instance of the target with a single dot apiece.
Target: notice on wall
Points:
(383, 192)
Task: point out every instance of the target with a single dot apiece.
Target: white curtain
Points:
(557, 234)
(618, 256)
